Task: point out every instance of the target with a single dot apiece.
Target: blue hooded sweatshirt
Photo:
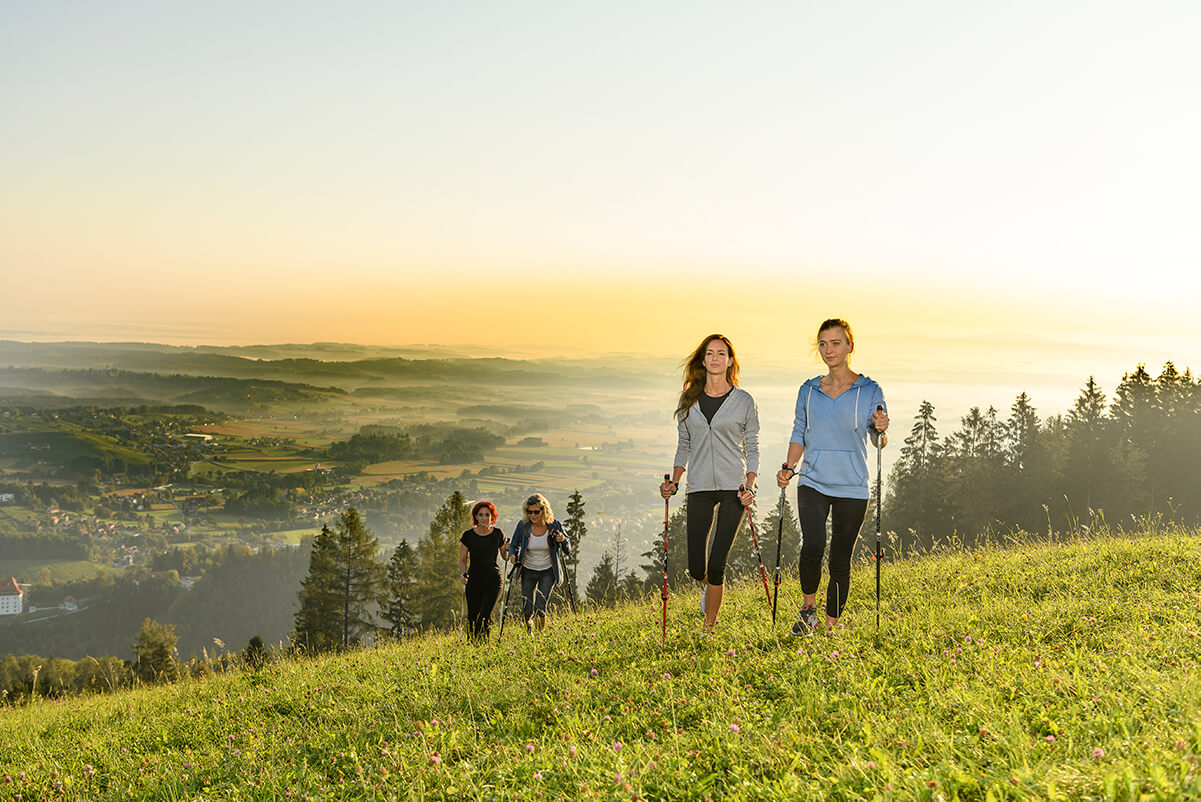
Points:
(834, 433)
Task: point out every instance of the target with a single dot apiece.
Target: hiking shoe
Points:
(806, 622)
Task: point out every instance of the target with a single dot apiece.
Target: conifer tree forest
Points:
(1129, 462)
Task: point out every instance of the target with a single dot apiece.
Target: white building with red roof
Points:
(11, 597)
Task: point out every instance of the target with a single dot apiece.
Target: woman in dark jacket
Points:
(537, 545)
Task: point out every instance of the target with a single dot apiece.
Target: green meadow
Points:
(1029, 671)
(58, 570)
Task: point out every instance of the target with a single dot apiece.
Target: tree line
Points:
(1126, 463)
(156, 660)
(351, 597)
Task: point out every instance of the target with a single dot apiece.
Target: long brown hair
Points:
(694, 374)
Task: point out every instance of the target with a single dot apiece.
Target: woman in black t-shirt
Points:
(482, 542)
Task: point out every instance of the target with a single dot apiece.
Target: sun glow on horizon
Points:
(978, 192)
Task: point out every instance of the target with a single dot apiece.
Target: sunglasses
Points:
(535, 511)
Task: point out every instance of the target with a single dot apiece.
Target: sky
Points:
(996, 195)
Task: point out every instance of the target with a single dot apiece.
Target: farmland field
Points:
(60, 570)
(294, 536)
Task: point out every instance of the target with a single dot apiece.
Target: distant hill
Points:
(22, 385)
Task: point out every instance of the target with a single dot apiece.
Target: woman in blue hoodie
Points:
(836, 414)
(537, 544)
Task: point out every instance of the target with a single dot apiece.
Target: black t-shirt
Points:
(710, 404)
(482, 551)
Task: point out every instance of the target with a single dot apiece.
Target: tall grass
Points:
(1032, 670)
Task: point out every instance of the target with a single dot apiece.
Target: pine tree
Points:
(1025, 465)
(154, 651)
(677, 546)
(790, 540)
(316, 620)
(1175, 464)
(974, 473)
(1135, 419)
(439, 594)
(342, 589)
(915, 504)
(575, 529)
(602, 586)
(255, 653)
(401, 591)
(1087, 427)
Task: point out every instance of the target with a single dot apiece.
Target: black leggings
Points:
(700, 517)
(846, 516)
(481, 598)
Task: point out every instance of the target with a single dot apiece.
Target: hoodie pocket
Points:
(835, 468)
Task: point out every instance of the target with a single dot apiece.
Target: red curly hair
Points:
(480, 505)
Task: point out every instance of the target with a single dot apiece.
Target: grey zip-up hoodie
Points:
(718, 456)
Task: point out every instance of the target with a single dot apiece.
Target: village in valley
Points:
(120, 476)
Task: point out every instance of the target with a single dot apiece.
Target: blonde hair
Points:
(548, 515)
(833, 323)
(837, 323)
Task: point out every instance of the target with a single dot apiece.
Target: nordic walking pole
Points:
(570, 588)
(504, 607)
(463, 623)
(779, 543)
(750, 519)
(879, 543)
(666, 506)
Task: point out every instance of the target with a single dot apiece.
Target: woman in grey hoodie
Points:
(718, 427)
(835, 416)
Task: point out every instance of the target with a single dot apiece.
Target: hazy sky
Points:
(982, 188)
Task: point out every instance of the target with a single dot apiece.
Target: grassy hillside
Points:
(1066, 671)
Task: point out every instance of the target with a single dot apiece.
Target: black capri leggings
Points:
(846, 516)
(700, 517)
(481, 598)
